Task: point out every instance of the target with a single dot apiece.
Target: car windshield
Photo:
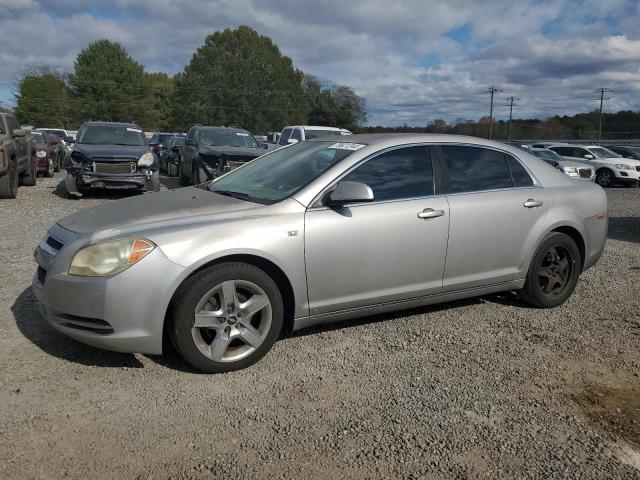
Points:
(280, 174)
(166, 139)
(57, 133)
(548, 154)
(38, 138)
(601, 152)
(228, 138)
(112, 135)
(309, 134)
(178, 141)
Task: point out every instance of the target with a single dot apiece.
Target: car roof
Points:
(318, 127)
(371, 138)
(115, 124)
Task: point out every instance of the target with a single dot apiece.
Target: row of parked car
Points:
(607, 166)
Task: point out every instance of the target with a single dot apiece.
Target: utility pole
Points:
(492, 90)
(601, 91)
(511, 102)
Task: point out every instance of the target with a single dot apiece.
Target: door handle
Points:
(430, 213)
(531, 203)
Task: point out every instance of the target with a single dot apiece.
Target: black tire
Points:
(605, 177)
(9, 181)
(192, 291)
(184, 181)
(30, 177)
(155, 182)
(51, 168)
(57, 164)
(550, 283)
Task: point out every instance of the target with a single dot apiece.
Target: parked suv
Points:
(111, 155)
(611, 168)
(17, 157)
(211, 151)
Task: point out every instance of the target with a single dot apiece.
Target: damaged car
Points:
(111, 155)
(211, 151)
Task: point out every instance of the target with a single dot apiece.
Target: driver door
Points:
(382, 251)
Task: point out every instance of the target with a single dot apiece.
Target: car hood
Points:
(114, 152)
(154, 210)
(223, 150)
(627, 161)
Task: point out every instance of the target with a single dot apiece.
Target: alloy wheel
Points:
(555, 271)
(231, 321)
(604, 178)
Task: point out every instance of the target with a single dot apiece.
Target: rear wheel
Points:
(226, 317)
(553, 273)
(605, 177)
(9, 181)
(184, 181)
(30, 177)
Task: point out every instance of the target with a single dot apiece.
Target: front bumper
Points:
(124, 313)
(42, 164)
(140, 181)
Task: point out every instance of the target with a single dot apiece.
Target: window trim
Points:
(435, 166)
(445, 170)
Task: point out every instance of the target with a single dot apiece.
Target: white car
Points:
(64, 135)
(300, 133)
(611, 168)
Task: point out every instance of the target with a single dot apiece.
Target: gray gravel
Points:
(480, 388)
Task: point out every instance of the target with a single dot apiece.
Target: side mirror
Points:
(588, 156)
(349, 192)
(265, 146)
(19, 132)
(291, 141)
(70, 139)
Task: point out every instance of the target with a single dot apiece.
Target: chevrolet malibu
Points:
(323, 230)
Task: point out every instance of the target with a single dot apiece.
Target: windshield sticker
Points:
(347, 146)
(242, 134)
(134, 130)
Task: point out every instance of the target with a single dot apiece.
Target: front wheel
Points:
(605, 178)
(226, 317)
(553, 273)
(30, 178)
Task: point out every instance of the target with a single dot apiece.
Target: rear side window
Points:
(564, 151)
(474, 169)
(519, 175)
(398, 174)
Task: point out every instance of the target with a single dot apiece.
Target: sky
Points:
(413, 61)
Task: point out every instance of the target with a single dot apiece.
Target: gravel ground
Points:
(480, 388)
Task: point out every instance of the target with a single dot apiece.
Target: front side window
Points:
(13, 124)
(397, 174)
(564, 151)
(278, 175)
(474, 169)
(284, 138)
(601, 152)
(296, 134)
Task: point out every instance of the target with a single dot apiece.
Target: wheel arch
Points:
(269, 267)
(577, 237)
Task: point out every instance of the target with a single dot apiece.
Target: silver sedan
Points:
(318, 231)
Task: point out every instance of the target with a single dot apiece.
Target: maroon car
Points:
(47, 153)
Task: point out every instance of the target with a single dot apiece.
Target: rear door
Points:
(497, 213)
(382, 251)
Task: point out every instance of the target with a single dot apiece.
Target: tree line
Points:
(237, 77)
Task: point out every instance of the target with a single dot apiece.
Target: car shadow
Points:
(626, 229)
(94, 193)
(35, 328)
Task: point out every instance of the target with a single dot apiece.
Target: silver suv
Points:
(315, 232)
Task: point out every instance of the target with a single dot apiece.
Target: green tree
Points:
(161, 88)
(110, 85)
(239, 77)
(43, 99)
(333, 105)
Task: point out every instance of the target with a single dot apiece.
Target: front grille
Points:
(585, 172)
(54, 243)
(115, 168)
(94, 325)
(42, 275)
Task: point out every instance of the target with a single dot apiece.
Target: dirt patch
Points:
(614, 411)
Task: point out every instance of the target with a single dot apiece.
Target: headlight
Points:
(570, 170)
(109, 258)
(622, 166)
(146, 160)
(41, 154)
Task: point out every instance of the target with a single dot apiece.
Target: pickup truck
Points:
(17, 157)
(300, 133)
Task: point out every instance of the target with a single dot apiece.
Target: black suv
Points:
(111, 155)
(211, 151)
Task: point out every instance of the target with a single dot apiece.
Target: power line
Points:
(601, 91)
(511, 102)
(492, 90)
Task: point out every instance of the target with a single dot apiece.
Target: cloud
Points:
(413, 60)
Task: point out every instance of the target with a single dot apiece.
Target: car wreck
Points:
(113, 156)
